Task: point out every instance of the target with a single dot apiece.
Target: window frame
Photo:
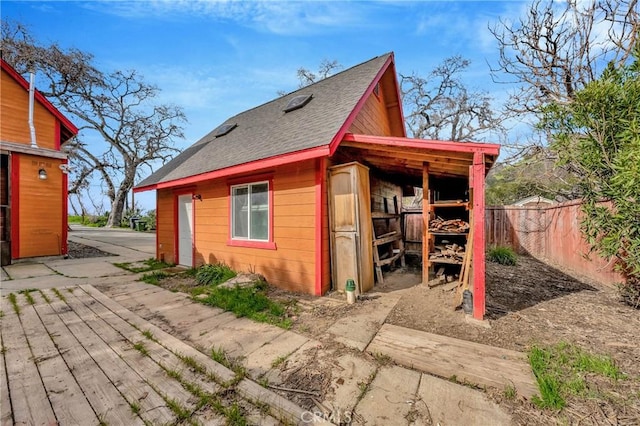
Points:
(234, 241)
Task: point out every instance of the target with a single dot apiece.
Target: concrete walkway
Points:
(123, 245)
(362, 387)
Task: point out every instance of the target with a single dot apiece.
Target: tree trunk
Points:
(117, 209)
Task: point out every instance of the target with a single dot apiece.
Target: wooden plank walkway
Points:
(74, 356)
(447, 357)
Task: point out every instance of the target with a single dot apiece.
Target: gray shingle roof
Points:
(266, 131)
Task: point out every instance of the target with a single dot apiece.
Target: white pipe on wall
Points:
(32, 127)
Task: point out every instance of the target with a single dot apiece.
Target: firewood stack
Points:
(453, 252)
(454, 225)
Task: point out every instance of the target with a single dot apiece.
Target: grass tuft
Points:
(14, 302)
(214, 274)
(502, 255)
(149, 335)
(59, 295)
(139, 346)
(45, 297)
(154, 277)
(27, 295)
(560, 372)
(150, 265)
(250, 302)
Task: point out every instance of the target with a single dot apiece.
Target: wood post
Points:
(426, 208)
(478, 236)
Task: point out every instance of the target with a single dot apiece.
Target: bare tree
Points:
(117, 106)
(556, 48)
(325, 69)
(440, 106)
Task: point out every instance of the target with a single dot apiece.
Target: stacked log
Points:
(454, 225)
(453, 252)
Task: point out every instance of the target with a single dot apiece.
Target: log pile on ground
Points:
(453, 252)
(454, 225)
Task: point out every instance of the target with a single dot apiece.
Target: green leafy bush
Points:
(502, 255)
(214, 274)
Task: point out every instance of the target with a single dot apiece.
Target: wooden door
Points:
(185, 230)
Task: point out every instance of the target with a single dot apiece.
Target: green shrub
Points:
(214, 274)
(502, 255)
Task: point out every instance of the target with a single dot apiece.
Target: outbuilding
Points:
(33, 171)
(307, 189)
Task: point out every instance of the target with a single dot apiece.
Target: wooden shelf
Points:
(445, 260)
(389, 239)
(382, 215)
(454, 203)
(448, 233)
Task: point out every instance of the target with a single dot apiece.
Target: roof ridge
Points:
(305, 87)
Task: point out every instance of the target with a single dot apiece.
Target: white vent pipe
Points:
(32, 128)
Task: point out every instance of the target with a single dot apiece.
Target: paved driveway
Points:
(144, 242)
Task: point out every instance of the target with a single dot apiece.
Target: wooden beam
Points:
(425, 223)
(425, 149)
(478, 236)
(486, 148)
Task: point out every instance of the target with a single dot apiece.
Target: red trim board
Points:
(252, 167)
(468, 147)
(478, 236)
(176, 230)
(15, 205)
(319, 261)
(65, 208)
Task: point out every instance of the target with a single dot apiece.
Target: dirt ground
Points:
(527, 304)
(81, 251)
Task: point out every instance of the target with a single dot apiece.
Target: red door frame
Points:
(176, 225)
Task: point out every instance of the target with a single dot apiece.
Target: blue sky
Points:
(218, 58)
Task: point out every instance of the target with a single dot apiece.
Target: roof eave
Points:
(251, 167)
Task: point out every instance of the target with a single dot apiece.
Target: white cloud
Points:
(278, 17)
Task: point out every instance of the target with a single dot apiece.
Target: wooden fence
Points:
(551, 234)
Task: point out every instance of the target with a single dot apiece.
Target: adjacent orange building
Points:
(254, 193)
(33, 180)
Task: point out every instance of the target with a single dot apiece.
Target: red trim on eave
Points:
(335, 142)
(478, 237)
(399, 96)
(39, 97)
(158, 227)
(15, 206)
(65, 210)
(293, 157)
(470, 147)
(320, 182)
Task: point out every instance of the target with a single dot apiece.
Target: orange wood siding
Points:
(380, 114)
(40, 230)
(14, 116)
(165, 226)
(291, 266)
(372, 118)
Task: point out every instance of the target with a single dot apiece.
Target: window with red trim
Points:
(250, 212)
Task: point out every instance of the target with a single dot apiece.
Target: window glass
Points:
(250, 211)
(240, 203)
(260, 212)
